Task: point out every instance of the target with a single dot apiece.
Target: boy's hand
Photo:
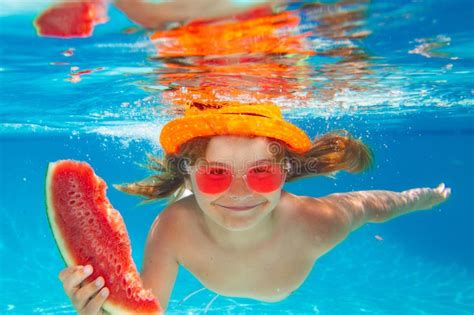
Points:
(426, 198)
(87, 298)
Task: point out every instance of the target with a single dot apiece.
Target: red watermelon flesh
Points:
(71, 19)
(89, 231)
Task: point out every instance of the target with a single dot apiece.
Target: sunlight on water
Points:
(314, 60)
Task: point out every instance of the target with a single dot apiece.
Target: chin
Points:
(238, 225)
(240, 220)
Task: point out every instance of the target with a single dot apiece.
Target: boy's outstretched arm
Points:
(380, 205)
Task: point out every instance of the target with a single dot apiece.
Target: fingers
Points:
(86, 298)
(82, 296)
(447, 193)
(95, 304)
(74, 278)
(427, 198)
(443, 191)
(66, 272)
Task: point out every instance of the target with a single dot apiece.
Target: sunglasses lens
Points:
(265, 178)
(213, 180)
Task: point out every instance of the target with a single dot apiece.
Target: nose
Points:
(238, 190)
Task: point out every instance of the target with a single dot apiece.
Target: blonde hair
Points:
(330, 153)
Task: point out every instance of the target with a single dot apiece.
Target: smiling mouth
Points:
(241, 208)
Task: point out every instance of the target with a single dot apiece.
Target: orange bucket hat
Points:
(263, 120)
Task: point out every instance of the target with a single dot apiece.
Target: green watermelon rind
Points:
(68, 260)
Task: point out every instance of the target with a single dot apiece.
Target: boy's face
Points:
(239, 153)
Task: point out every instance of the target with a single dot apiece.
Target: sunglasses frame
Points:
(286, 166)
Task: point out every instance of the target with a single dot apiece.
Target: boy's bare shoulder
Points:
(175, 219)
(322, 222)
(312, 209)
(181, 208)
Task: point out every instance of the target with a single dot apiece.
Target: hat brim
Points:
(180, 131)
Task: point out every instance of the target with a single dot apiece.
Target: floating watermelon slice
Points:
(71, 19)
(89, 231)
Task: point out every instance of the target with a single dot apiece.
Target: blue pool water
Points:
(412, 104)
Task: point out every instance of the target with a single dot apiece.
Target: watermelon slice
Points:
(71, 18)
(89, 231)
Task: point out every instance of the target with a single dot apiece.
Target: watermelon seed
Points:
(118, 269)
(71, 192)
(72, 202)
(91, 220)
(129, 292)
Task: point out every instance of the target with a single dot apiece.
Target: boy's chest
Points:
(270, 272)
